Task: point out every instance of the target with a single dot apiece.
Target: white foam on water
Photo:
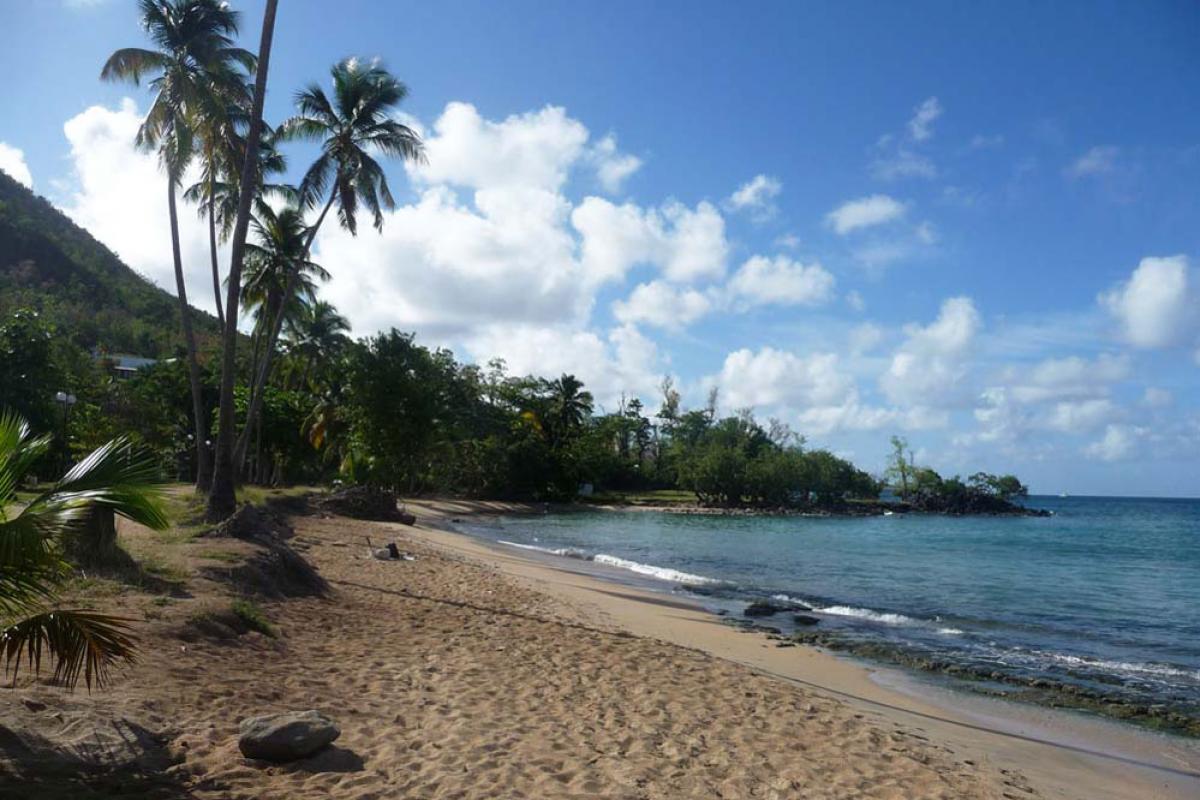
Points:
(1125, 667)
(662, 573)
(867, 614)
(566, 552)
(949, 631)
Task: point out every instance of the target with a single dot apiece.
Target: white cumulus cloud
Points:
(757, 196)
(663, 305)
(781, 281)
(920, 127)
(612, 166)
(120, 197)
(1118, 443)
(1155, 307)
(930, 366)
(865, 212)
(686, 244)
(773, 378)
(12, 161)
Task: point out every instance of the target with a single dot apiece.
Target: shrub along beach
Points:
(282, 561)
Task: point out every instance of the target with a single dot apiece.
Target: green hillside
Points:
(50, 264)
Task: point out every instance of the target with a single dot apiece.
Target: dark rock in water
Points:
(805, 619)
(366, 502)
(763, 608)
(286, 737)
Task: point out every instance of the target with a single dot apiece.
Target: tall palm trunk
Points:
(222, 499)
(212, 248)
(203, 467)
(264, 370)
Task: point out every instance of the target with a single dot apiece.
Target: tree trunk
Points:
(203, 467)
(93, 544)
(260, 380)
(222, 499)
(212, 247)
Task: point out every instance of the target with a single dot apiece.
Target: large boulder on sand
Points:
(287, 736)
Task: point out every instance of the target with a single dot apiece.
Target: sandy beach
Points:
(470, 672)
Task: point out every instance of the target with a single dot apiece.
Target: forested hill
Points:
(52, 265)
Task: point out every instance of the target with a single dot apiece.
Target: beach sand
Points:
(476, 673)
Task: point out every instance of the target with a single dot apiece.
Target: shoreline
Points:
(1064, 754)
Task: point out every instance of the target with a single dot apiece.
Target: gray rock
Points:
(805, 619)
(763, 608)
(287, 736)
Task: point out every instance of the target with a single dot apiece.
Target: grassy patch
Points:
(261, 494)
(224, 556)
(253, 617)
(90, 586)
(170, 573)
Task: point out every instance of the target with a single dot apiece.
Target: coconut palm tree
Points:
(356, 123)
(222, 498)
(316, 334)
(569, 405)
(196, 70)
(116, 478)
(216, 193)
(278, 261)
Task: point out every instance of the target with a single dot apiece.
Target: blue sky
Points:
(976, 225)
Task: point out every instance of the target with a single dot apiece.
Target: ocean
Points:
(1098, 604)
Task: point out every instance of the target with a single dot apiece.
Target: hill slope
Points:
(49, 263)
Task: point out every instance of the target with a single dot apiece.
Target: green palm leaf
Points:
(84, 644)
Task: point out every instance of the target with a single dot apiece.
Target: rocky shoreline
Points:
(850, 510)
(1147, 711)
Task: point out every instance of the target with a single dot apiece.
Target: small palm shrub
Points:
(116, 478)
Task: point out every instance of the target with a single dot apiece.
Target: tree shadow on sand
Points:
(35, 766)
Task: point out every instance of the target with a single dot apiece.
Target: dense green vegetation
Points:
(51, 265)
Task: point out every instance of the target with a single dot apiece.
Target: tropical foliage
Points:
(116, 478)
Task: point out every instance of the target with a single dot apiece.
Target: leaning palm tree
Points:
(354, 124)
(216, 193)
(280, 280)
(116, 478)
(196, 70)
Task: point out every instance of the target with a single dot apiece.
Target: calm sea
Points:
(1104, 593)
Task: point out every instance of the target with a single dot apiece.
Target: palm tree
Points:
(278, 261)
(216, 193)
(222, 497)
(116, 478)
(355, 124)
(569, 405)
(316, 334)
(195, 71)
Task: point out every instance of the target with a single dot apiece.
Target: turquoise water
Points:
(1104, 593)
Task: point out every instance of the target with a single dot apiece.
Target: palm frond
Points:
(131, 63)
(117, 475)
(84, 644)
